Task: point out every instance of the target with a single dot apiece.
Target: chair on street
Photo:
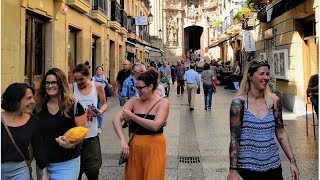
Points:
(313, 123)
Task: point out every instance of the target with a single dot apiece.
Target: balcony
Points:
(131, 28)
(144, 35)
(115, 16)
(100, 11)
(80, 5)
(278, 8)
(124, 19)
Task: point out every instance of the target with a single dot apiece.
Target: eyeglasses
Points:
(53, 83)
(140, 87)
(78, 80)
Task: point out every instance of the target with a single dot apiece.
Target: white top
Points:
(85, 101)
(160, 90)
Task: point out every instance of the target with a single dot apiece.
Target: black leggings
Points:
(273, 174)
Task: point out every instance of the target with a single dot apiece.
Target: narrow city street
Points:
(198, 141)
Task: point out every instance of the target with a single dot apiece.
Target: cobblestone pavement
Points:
(205, 134)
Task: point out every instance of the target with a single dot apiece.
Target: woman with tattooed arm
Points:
(255, 116)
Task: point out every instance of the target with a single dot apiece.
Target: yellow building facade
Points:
(289, 40)
(40, 34)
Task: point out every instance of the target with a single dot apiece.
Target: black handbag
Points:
(198, 90)
(108, 91)
(123, 159)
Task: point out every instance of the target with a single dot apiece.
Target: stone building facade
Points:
(40, 34)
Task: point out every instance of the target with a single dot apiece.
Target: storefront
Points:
(130, 50)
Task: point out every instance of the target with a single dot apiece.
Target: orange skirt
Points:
(147, 158)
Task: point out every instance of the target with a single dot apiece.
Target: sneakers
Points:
(205, 108)
(178, 95)
(99, 131)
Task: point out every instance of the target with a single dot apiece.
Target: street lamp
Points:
(150, 18)
(159, 33)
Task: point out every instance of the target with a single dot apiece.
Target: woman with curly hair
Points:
(57, 114)
(147, 152)
(255, 117)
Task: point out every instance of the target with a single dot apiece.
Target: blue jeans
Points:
(15, 170)
(207, 88)
(63, 170)
(100, 117)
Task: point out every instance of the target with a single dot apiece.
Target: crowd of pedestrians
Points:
(255, 117)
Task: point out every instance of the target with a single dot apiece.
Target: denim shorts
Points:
(63, 170)
(15, 171)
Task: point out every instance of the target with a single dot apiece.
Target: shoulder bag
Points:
(122, 159)
(18, 149)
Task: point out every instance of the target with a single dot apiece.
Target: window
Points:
(101, 5)
(280, 64)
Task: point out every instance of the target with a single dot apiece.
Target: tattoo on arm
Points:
(280, 140)
(235, 131)
(293, 161)
(278, 115)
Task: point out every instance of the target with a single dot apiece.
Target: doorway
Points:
(34, 50)
(192, 36)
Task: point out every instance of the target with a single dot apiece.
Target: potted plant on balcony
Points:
(256, 5)
(244, 12)
(217, 23)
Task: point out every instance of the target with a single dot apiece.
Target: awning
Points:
(221, 41)
(131, 43)
(152, 49)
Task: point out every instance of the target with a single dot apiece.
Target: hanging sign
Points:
(141, 20)
(249, 42)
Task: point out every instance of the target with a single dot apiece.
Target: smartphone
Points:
(94, 110)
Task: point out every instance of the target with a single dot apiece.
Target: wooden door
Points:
(34, 51)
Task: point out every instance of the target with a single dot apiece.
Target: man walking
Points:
(179, 73)
(129, 85)
(165, 68)
(193, 82)
(122, 75)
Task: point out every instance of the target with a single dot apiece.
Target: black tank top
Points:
(143, 131)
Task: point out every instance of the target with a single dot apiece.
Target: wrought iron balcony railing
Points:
(131, 25)
(145, 36)
(115, 11)
(124, 18)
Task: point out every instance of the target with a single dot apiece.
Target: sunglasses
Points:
(259, 63)
(140, 87)
(53, 83)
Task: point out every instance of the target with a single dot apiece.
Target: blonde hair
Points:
(66, 99)
(250, 68)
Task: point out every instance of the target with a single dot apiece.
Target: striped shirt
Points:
(258, 150)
